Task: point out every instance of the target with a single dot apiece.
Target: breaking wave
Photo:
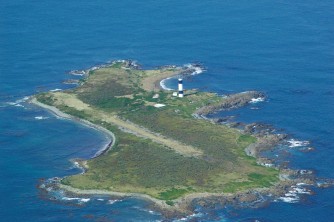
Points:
(293, 195)
(41, 117)
(17, 103)
(257, 100)
(297, 143)
(80, 200)
(55, 90)
(196, 68)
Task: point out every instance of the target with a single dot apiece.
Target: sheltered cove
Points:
(117, 99)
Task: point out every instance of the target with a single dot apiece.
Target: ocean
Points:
(282, 48)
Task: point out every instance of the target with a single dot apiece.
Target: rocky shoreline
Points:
(231, 102)
(291, 185)
(292, 182)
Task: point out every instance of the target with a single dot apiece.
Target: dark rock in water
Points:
(131, 64)
(259, 129)
(223, 120)
(71, 81)
(299, 176)
(307, 149)
(306, 172)
(325, 183)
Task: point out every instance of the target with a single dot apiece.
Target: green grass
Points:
(45, 98)
(215, 140)
(172, 194)
(117, 65)
(232, 187)
(74, 112)
(170, 203)
(255, 180)
(246, 139)
(140, 165)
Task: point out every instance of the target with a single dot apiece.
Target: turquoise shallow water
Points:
(281, 48)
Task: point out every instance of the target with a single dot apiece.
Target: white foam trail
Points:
(302, 184)
(296, 143)
(112, 201)
(191, 216)
(197, 71)
(22, 100)
(41, 117)
(77, 72)
(289, 199)
(163, 84)
(257, 100)
(82, 200)
(70, 198)
(55, 90)
(146, 210)
(17, 103)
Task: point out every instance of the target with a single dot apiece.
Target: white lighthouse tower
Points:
(180, 88)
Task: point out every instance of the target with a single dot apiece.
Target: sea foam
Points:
(41, 117)
(80, 200)
(18, 103)
(196, 69)
(297, 143)
(55, 90)
(292, 196)
(113, 201)
(257, 100)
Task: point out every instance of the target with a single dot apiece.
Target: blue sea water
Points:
(283, 48)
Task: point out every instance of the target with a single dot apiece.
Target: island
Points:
(162, 147)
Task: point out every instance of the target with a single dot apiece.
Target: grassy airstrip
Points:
(163, 152)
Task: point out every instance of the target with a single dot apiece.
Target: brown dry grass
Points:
(151, 82)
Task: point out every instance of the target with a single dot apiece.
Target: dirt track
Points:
(129, 127)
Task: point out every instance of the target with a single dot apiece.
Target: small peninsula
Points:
(163, 147)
